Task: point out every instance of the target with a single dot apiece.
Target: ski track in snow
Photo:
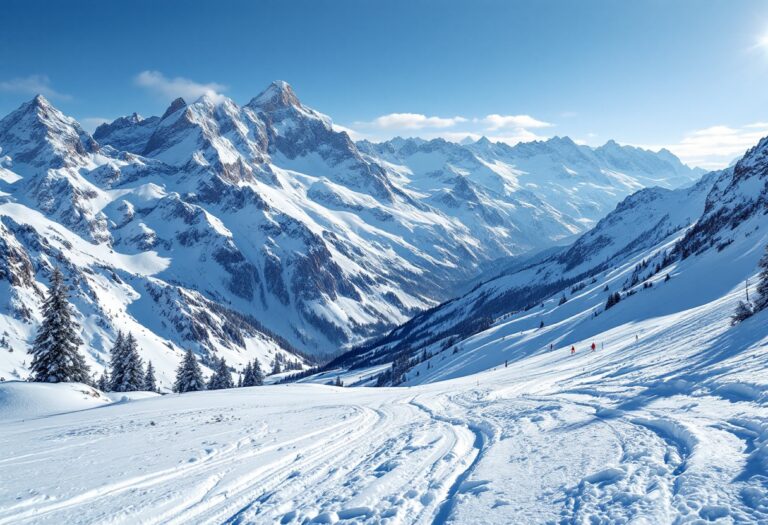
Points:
(649, 430)
(445, 453)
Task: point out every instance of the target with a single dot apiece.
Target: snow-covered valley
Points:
(665, 421)
(260, 231)
(668, 427)
(478, 263)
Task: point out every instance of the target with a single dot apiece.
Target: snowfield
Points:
(652, 429)
(494, 419)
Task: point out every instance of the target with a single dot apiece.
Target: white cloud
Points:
(32, 85)
(412, 121)
(716, 147)
(497, 128)
(494, 122)
(353, 134)
(178, 86)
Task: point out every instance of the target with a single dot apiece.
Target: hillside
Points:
(260, 231)
(670, 254)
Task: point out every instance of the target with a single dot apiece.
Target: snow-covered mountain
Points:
(537, 191)
(258, 229)
(669, 254)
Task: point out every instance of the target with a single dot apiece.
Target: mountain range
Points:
(261, 230)
(673, 262)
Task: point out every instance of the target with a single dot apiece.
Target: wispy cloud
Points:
(495, 122)
(32, 85)
(498, 128)
(178, 86)
(411, 121)
(353, 134)
(716, 147)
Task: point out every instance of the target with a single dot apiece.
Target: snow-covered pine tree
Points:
(762, 283)
(248, 379)
(136, 373)
(55, 350)
(276, 366)
(221, 377)
(225, 375)
(150, 383)
(115, 360)
(258, 375)
(743, 311)
(213, 381)
(613, 300)
(127, 369)
(103, 382)
(189, 377)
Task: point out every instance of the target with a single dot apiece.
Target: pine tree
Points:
(150, 383)
(762, 283)
(127, 369)
(239, 380)
(221, 377)
(613, 300)
(248, 379)
(55, 350)
(276, 366)
(743, 311)
(189, 377)
(115, 360)
(103, 382)
(258, 375)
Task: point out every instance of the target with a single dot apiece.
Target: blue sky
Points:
(688, 75)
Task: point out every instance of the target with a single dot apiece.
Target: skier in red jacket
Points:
(573, 349)
(593, 346)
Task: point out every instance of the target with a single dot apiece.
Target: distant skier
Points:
(506, 363)
(593, 346)
(637, 337)
(573, 349)
(551, 346)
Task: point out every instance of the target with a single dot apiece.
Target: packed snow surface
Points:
(667, 423)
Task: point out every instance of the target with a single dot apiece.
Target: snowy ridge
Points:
(259, 229)
(640, 228)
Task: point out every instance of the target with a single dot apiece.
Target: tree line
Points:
(56, 357)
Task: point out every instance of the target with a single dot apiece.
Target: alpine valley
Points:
(261, 230)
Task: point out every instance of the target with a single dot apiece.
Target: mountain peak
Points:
(40, 102)
(279, 94)
(38, 134)
(174, 107)
(565, 140)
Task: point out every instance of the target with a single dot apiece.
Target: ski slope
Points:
(648, 429)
